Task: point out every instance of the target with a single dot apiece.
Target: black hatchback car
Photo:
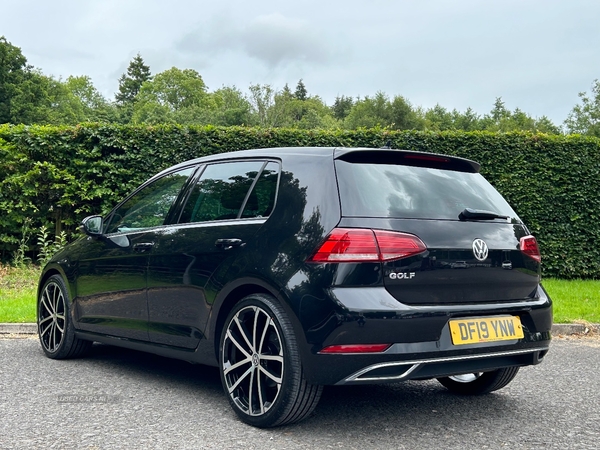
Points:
(294, 268)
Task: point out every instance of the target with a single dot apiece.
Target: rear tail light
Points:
(356, 348)
(366, 245)
(529, 246)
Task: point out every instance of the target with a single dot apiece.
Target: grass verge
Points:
(574, 300)
(17, 293)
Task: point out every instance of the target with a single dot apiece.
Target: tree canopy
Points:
(180, 96)
(585, 117)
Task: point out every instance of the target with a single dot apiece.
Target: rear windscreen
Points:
(389, 190)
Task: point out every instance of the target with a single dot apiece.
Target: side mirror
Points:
(92, 225)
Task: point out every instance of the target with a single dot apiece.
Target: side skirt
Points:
(200, 355)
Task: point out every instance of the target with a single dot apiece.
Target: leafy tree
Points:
(369, 112)
(94, 107)
(403, 116)
(467, 121)
(376, 111)
(585, 117)
(23, 90)
(70, 102)
(130, 84)
(499, 111)
(232, 107)
(439, 118)
(174, 96)
(12, 69)
(310, 113)
(272, 108)
(301, 93)
(545, 125)
(262, 101)
(503, 120)
(341, 107)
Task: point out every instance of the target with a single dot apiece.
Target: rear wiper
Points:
(479, 214)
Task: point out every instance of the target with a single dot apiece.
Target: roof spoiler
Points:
(406, 158)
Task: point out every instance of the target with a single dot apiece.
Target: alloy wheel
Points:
(51, 317)
(466, 377)
(253, 360)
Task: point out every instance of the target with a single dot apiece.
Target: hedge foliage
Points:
(57, 175)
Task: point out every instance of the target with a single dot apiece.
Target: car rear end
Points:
(431, 272)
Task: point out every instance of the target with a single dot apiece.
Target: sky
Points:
(535, 54)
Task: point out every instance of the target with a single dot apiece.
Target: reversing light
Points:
(356, 348)
(529, 246)
(366, 245)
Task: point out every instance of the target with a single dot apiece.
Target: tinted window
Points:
(388, 190)
(149, 207)
(221, 191)
(262, 198)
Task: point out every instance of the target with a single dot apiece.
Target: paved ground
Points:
(123, 399)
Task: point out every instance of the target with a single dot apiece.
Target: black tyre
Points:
(261, 370)
(480, 383)
(55, 327)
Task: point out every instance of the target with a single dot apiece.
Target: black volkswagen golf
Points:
(294, 268)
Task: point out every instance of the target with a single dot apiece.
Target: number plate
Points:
(485, 329)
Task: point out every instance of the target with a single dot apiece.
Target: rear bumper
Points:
(420, 337)
(444, 366)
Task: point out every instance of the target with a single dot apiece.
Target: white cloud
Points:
(273, 39)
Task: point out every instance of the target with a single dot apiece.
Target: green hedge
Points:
(58, 175)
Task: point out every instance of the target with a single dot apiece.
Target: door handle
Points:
(142, 247)
(228, 244)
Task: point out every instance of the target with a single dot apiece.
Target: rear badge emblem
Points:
(480, 249)
(402, 275)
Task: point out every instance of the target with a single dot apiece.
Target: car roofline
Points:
(336, 152)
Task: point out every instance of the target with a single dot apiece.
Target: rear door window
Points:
(232, 190)
(399, 191)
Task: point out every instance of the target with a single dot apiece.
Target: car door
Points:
(112, 282)
(226, 206)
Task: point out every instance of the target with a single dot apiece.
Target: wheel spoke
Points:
(43, 333)
(44, 320)
(62, 330)
(236, 365)
(236, 343)
(250, 392)
(59, 307)
(270, 375)
(239, 325)
(54, 301)
(45, 297)
(272, 358)
(264, 333)
(53, 336)
(240, 379)
(260, 396)
(254, 326)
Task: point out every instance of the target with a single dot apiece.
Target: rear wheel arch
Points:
(231, 296)
(228, 300)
